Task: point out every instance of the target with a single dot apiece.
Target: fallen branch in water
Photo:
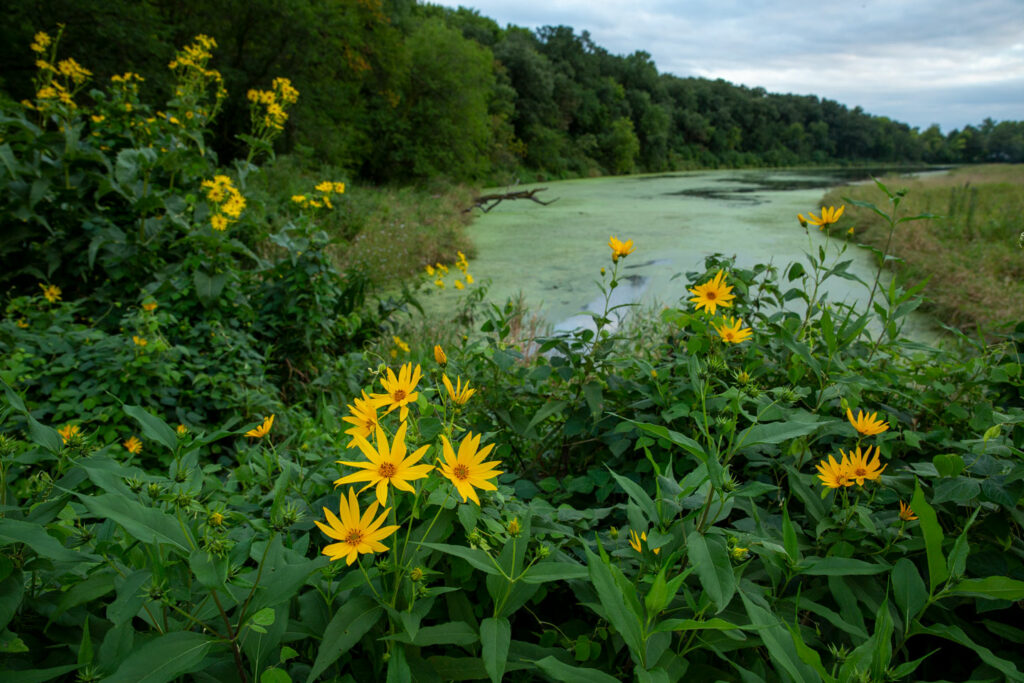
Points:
(483, 201)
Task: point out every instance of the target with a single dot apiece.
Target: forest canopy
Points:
(394, 90)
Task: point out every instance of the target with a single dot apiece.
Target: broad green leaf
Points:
(637, 494)
(35, 675)
(12, 589)
(777, 432)
(714, 624)
(908, 590)
(932, 532)
(957, 635)
(809, 655)
(398, 666)
(991, 587)
(948, 464)
(546, 411)
(452, 633)
(208, 287)
(349, 624)
(839, 566)
(906, 668)
(789, 539)
(495, 636)
(616, 605)
(476, 557)
(153, 427)
(710, 559)
(275, 675)
(146, 524)
(164, 658)
(551, 570)
(211, 571)
(47, 437)
(777, 640)
(130, 597)
(567, 673)
(684, 442)
(35, 537)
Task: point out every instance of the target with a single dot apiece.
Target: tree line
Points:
(394, 90)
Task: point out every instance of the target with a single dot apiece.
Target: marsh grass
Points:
(968, 252)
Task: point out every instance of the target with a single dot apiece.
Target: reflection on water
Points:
(554, 254)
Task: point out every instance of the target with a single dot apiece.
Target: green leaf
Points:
(789, 539)
(551, 570)
(451, 633)
(809, 655)
(778, 641)
(208, 288)
(495, 637)
(153, 427)
(349, 624)
(567, 673)
(35, 537)
(710, 559)
(908, 590)
(932, 532)
(624, 614)
(47, 437)
(275, 675)
(714, 624)
(839, 566)
(12, 589)
(957, 635)
(948, 464)
(777, 432)
(211, 571)
(476, 557)
(146, 524)
(85, 651)
(637, 494)
(991, 587)
(684, 442)
(164, 658)
(546, 411)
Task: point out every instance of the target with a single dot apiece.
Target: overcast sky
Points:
(951, 62)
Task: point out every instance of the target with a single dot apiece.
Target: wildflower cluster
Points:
(438, 271)
(56, 82)
(327, 189)
(392, 463)
(829, 216)
(268, 108)
(228, 202)
(194, 77)
(855, 467)
(712, 294)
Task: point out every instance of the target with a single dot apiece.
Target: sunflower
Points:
(637, 542)
(363, 415)
(834, 474)
(906, 514)
(387, 465)
(867, 425)
(829, 215)
(356, 534)
(262, 430)
(620, 248)
(459, 393)
(468, 469)
(713, 293)
(68, 431)
(860, 469)
(401, 390)
(439, 355)
(730, 331)
(133, 445)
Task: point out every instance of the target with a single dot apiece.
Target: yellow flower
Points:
(133, 445)
(859, 468)
(68, 431)
(637, 542)
(401, 390)
(850, 232)
(299, 198)
(514, 527)
(730, 331)
(439, 355)
(149, 306)
(51, 292)
(468, 471)
(712, 294)
(620, 248)
(416, 574)
(97, 118)
(356, 534)
(803, 221)
(439, 283)
(739, 554)
(387, 465)
(430, 270)
(41, 42)
(459, 285)
(326, 187)
(215, 519)
(262, 430)
(139, 341)
(833, 474)
(22, 323)
(363, 417)
(829, 215)
(218, 222)
(442, 267)
(400, 344)
(181, 429)
(867, 425)
(459, 394)
(906, 514)
(469, 279)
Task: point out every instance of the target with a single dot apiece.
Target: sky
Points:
(950, 62)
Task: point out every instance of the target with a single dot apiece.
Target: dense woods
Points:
(393, 90)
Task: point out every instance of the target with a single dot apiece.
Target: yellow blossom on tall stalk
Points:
(467, 470)
(68, 431)
(181, 430)
(906, 513)
(859, 467)
(41, 41)
(829, 215)
(149, 306)
(868, 425)
(712, 294)
(363, 418)
(459, 394)
(402, 346)
(400, 390)
(51, 292)
(439, 355)
(833, 474)
(356, 534)
(387, 464)
(262, 430)
(637, 543)
(459, 285)
(133, 445)
(620, 248)
(732, 331)
(195, 79)
(138, 341)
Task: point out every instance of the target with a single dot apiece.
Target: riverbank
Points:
(968, 251)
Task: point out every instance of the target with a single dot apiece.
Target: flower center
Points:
(387, 470)
(461, 472)
(398, 396)
(860, 472)
(710, 296)
(355, 537)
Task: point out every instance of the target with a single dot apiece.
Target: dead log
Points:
(488, 201)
